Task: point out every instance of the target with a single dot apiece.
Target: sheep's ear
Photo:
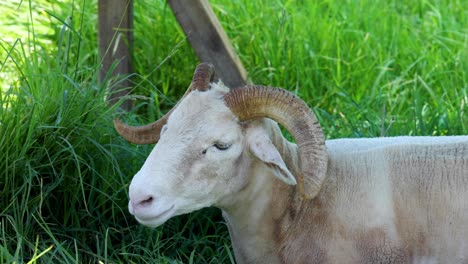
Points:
(263, 149)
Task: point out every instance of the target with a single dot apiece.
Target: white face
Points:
(194, 164)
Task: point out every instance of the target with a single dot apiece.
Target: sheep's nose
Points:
(140, 202)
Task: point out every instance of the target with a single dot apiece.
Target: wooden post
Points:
(208, 39)
(115, 24)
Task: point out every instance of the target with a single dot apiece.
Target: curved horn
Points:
(149, 134)
(291, 112)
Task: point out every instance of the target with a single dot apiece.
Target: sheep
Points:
(375, 200)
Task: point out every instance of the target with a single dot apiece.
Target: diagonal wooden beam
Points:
(208, 39)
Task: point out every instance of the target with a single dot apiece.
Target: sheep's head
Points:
(204, 143)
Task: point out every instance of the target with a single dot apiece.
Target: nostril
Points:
(142, 201)
(147, 201)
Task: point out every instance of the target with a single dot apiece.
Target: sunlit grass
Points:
(367, 68)
(17, 30)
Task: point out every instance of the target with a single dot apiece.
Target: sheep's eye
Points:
(163, 129)
(221, 146)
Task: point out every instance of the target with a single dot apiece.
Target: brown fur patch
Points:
(374, 246)
(409, 232)
(300, 240)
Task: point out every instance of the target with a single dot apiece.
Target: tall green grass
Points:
(64, 173)
(368, 68)
(59, 176)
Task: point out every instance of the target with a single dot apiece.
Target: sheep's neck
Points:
(256, 220)
(250, 227)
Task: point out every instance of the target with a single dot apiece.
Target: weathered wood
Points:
(115, 24)
(208, 39)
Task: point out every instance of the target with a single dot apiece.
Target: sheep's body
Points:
(386, 200)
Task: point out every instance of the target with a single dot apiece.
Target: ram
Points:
(382, 200)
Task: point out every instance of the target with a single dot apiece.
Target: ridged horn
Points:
(291, 112)
(149, 134)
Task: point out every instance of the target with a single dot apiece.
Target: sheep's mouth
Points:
(158, 219)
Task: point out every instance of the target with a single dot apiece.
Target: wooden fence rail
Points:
(198, 21)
